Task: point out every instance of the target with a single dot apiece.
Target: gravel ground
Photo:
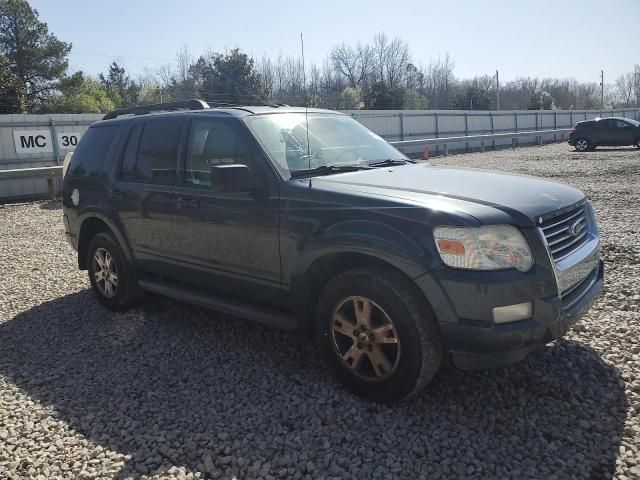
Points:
(174, 391)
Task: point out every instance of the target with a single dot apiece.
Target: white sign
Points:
(32, 141)
(39, 141)
(68, 140)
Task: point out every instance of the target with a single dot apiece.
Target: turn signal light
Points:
(452, 247)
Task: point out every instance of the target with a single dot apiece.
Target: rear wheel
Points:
(637, 142)
(583, 144)
(112, 278)
(378, 336)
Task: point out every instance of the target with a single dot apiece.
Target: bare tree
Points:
(184, 60)
(397, 59)
(353, 63)
(267, 74)
(624, 89)
(439, 81)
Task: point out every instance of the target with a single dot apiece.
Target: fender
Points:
(116, 229)
(373, 239)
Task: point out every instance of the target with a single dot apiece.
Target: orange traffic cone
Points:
(425, 154)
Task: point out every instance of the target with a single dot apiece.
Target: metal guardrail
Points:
(56, 171)
(35, 172)
(514, 136)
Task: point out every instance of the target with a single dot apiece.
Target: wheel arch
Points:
(307, 288)
(90, 226)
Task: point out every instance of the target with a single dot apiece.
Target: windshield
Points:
(334, 141)
(633, 122)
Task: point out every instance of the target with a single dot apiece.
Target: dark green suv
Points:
(307, 220)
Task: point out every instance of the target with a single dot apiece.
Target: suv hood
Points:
(516, 195)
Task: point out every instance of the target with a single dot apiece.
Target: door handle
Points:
(187, 202)
(116, 193)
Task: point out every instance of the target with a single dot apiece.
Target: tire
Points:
(583, 144)
(637, 142)
(401, 327)
(124, 291)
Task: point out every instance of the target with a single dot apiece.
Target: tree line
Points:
(380, 74)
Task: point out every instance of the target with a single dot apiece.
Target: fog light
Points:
(512, 313)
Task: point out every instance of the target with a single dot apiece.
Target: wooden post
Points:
(51, 188)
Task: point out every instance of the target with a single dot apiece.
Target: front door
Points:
(227, 240)
(621, 132)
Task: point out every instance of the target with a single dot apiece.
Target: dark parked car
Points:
(309, 221)
(613, 131)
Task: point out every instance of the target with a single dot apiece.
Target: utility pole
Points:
(601, 89)
(636, 83)
(497, 91)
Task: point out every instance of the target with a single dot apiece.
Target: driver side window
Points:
(212, 143)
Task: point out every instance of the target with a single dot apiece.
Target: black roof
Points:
(203, 108)
(597, 119)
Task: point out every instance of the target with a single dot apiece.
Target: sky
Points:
(540, 38)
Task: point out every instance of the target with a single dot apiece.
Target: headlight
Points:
(494, 247)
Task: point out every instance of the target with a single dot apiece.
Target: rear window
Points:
(585, 124)
(92, 150)
(151, 152)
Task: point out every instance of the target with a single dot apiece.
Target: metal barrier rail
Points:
(35, 172)
(514, 136)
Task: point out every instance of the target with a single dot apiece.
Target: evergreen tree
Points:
(35, 57)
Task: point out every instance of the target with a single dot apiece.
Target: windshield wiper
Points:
(390, 162)
(328, 170)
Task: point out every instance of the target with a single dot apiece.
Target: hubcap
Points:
(582, 144)
(105, 273)
(365, 339)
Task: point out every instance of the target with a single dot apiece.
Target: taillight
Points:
(572, 130)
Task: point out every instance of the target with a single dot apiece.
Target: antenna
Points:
(306, 103)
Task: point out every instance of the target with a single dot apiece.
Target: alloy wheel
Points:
(365, 339)
(105, 272)
(582, 145)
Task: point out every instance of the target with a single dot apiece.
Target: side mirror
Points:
(232, 178)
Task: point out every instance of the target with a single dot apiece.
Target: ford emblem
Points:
(576, 229)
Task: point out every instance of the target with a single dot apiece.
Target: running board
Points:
(257, 313)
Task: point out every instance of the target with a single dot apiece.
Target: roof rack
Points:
(193, 104)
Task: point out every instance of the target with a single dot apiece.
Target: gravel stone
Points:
(170, 390)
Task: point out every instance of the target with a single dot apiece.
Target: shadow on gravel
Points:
(616, 149)
(171, 384)
(51, 205)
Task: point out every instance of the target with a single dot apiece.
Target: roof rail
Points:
(193, 104)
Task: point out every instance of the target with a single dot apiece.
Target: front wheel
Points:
(112, 278)
(583, 144)
(377, 334)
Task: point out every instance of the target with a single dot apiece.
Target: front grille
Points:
(566, 232)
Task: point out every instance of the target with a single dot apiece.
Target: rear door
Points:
(227, 240)
(602, 132)
(143, 190)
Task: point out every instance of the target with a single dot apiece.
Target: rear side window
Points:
(151, 152)
(91, 152)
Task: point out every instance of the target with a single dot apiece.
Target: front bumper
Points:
(475, 347)
(463, 303)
